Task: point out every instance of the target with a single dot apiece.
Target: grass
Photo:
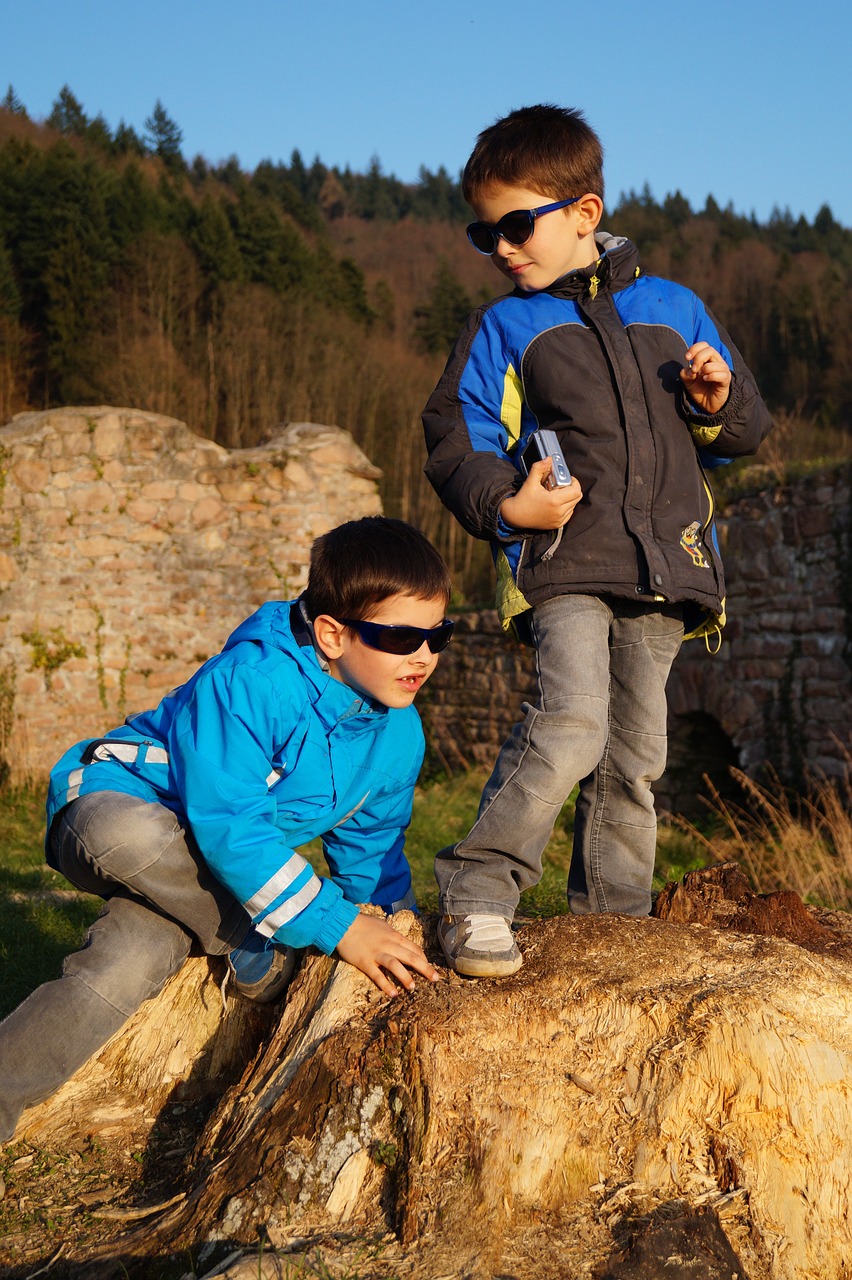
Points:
(782, 841)
(39, 924)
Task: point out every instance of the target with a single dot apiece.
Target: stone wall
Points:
(130, 548)
(778, 691)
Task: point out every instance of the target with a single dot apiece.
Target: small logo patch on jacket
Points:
(691, 543)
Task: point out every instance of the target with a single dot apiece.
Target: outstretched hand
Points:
(374, 946)
(534, 506)
(707, 378)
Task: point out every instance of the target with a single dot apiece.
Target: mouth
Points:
(410, 683)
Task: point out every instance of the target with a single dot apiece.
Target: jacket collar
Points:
(615, 269)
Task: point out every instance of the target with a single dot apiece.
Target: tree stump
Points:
(191, 1042)
(632, 1069)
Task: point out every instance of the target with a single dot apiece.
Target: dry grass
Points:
(786, 841)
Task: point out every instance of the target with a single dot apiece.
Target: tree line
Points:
(237, 300)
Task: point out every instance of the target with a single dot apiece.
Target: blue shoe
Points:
(260, 968)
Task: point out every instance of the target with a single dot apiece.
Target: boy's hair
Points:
(357, 565)
(546, 148)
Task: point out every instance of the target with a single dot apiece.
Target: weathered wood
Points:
(721, 896)
(521, 1126)
(188, 1043)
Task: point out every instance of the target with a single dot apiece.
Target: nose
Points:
(503, 248)
(423, 655)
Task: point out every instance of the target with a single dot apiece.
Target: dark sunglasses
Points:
(401, 640)
(515, 227)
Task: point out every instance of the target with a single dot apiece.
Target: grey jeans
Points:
(600, 720)
(160, 898)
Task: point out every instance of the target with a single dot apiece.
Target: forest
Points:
(239, 300)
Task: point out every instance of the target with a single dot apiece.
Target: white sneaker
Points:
(479, 946)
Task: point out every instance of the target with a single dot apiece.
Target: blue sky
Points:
(749, 101)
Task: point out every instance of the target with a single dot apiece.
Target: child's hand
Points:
(535, 507)
(373, 946)
(707, 379)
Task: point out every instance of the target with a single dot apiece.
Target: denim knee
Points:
(129, 953)
(563, 746)
(118, 834)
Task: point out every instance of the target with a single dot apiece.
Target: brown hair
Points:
(546, 148)
(357, 565)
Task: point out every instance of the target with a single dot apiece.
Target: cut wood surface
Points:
(191, 1041)
(532, 1126)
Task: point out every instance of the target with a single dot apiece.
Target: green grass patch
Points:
(37, 929)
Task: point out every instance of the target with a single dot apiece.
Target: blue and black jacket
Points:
(595, 358)
(260, 752)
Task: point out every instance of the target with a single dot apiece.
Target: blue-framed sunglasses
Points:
(401, 640)
(516, 227)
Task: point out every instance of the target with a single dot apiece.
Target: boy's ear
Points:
(589, 211)
(329, 635)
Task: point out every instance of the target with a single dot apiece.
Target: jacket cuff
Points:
(498, 527)
(335, 924)
(506, 532)
(730, 409)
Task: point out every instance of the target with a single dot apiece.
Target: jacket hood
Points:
(283, 625)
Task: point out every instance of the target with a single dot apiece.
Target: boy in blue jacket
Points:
(605, 574)
(188, 818)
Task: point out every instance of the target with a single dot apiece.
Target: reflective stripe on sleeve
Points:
(280, 882)
(128, 752)
(75, 779)
(289, 909)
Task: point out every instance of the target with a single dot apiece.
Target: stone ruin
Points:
(130, 548)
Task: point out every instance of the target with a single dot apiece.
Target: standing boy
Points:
(642, 387)
(187, 819)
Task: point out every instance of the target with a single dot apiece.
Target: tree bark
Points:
(529, 1126)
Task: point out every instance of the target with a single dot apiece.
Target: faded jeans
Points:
(600, 721)
(160, 898)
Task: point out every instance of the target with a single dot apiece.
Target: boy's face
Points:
(561, 241)
(389, 678)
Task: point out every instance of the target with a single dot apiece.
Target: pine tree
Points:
(10, 297)
(13, 103)
(98, 133)
(214, 243)
(67, 114)
(437, 323)
(438, 198)
(164, 136)
(127, 141)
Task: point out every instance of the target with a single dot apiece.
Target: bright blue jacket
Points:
(260, 752)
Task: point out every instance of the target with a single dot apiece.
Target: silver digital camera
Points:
(544, 444)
